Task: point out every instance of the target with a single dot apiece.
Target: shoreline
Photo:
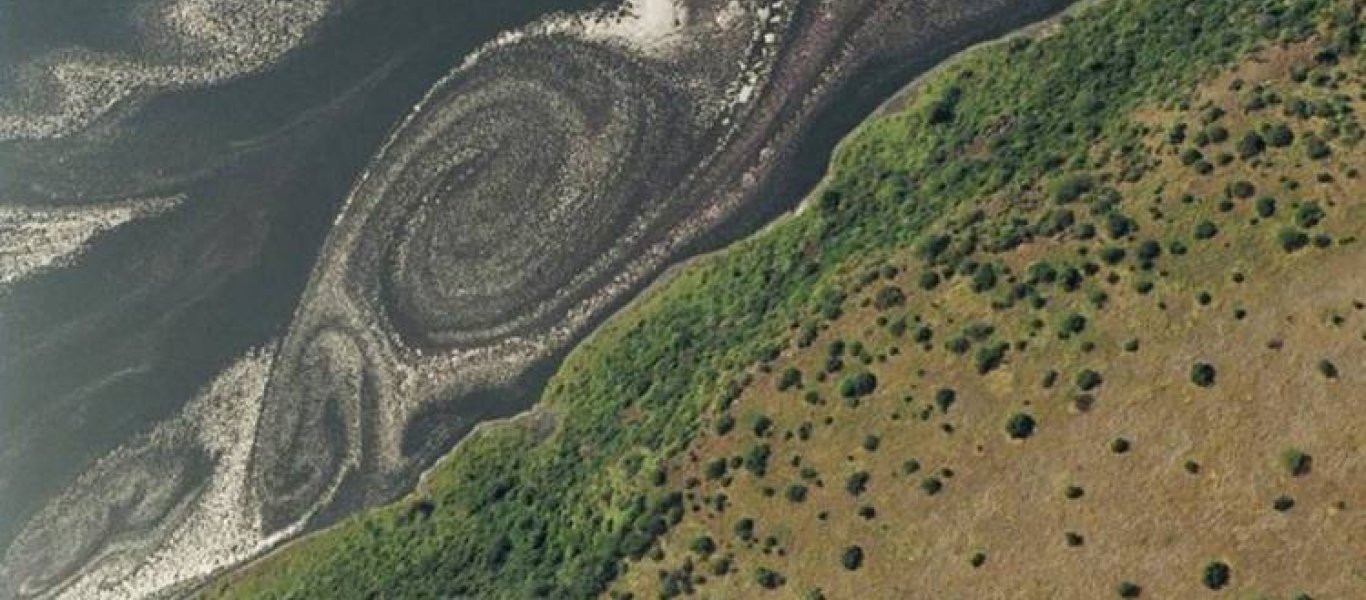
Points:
(892, 105)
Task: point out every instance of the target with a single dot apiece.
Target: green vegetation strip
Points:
(514, 515)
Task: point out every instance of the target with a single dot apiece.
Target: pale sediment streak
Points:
(165, 510)
(196, 42)
(35, 239)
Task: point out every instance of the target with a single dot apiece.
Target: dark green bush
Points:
(768, 578)
(857, 483)
(1149, 250)
(1308, 215)
(1283, 503)
(1203, 374)
(762, 425)
(1128, 589)
(1241, 189)
(756, 459)
(931, 486)
(944, 398)
(1020, 426)
(1297, 462)
(1216, 575)
(1251, 145)
(1291, 239)
(703, 545)
(888, 297)
(1088, 380)
(1266, 207)
(1280, 135)
(858, 385)
(989, 358)
(1315, 148)
(928, 280)
(852, 558)
(716, 469)
(1328, 369)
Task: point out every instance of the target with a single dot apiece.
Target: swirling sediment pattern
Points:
(512, 190)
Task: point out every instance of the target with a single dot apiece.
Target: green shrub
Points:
(1072, 187)
(857, 483)
(1088, 380)
(1266, 207)
(1020, 426)
(944, 398)
(1315, 148)
(1297, 462)
(1280, 135)
(852, 558)
(716, 469)
(768, 578)
(871, 442)
(1218, 134)
(1328, 369)
(1308, 215)
(790, 378)
(1241, 189)
(1072, 324)
(1203, 374)
(1251, 145)
(928, 280)
(889, 297)
(796, 492)
(724, 424)
(958, 345)
(1205, 230)
(1128, 589)
(1283, 503)
(1291, 239)
(989, 358)
(1216, 575)
(703, 545)
(762, 425)
(931, 486)
(1149, 250)
(756, 459)
(858, 385)
(984, 278)
(977, 560)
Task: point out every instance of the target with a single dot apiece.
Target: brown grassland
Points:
(1139, 475)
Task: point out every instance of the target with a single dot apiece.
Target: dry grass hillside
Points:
(1156, 394)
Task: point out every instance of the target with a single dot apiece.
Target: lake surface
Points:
(247, 287)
